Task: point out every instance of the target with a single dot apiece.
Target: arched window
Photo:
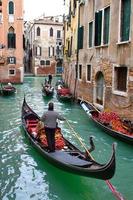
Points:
(51, 32)
(11, 38)
(11, 7)
(38, 31)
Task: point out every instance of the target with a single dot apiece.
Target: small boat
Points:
(63, 93)
(109, 122)
(7, 90)
(66, 157)
(47, 90)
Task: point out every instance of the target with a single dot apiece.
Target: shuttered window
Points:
(11, 40)
(38, 51)
(80, 71)
(51, 32)
(98, 28)
(80, 37)
(90, 34)
(42, 62)
(76, 72)
(11, 8)
(121, 78)
(38, 31)
(58, 34)
(11, 60)
(125, 19)
(106, 25)
(88, 72)
(47, 62)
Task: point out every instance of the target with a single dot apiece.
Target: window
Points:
(102, 19)
(80, 71)
(90, 34)
(0, 17)
(51, 32)
(98, 28)
(11, 60)
(80, 37)
(53, 51)
(106, 25)
(58, 34)
(88, 75)
(11, 38)
(38, 51)
(125, 20)
(12, 72)
(47, 62)
(38, 31)
(76, 72)
(42, 62)
(120, 78)
(50, 51)
(11, 8)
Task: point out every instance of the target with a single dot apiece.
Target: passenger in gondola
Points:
(9, 85)
(50, 120)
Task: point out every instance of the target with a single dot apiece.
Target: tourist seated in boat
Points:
(8, 86)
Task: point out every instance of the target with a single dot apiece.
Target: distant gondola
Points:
(7, 90)
(121, 133)
(63, 93)
(68, 157)
(47, 90)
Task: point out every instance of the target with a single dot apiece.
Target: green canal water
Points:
(25, 175)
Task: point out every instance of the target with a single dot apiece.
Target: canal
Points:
(24, 172)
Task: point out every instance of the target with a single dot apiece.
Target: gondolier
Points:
(50, 120)
(50, 79)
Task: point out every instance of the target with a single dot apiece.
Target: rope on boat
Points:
(117, 194)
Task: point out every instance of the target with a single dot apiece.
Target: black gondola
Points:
(69, 158)
(63, 93)
(93, 114)
(7, 90)
(47, 90)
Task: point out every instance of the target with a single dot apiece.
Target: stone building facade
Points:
(44, 38)
(11, 41)
(100, 69)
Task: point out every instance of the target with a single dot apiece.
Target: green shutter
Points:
(125, 19)
(11, 7)
(98, 28)
(80, 37)
(106, 25)
(90, 33)
(11, 40)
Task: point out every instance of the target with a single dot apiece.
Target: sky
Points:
(34, 9)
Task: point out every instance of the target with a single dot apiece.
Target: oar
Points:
(111, 187)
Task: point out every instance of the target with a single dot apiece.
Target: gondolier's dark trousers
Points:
(50, 134)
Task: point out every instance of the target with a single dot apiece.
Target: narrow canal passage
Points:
(24, 172)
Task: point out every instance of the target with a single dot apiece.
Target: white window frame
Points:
(1, 18)
(11, 74)
(92, 35)
(114, 91)
(102, 44)
(11, 16)
(119, 27)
